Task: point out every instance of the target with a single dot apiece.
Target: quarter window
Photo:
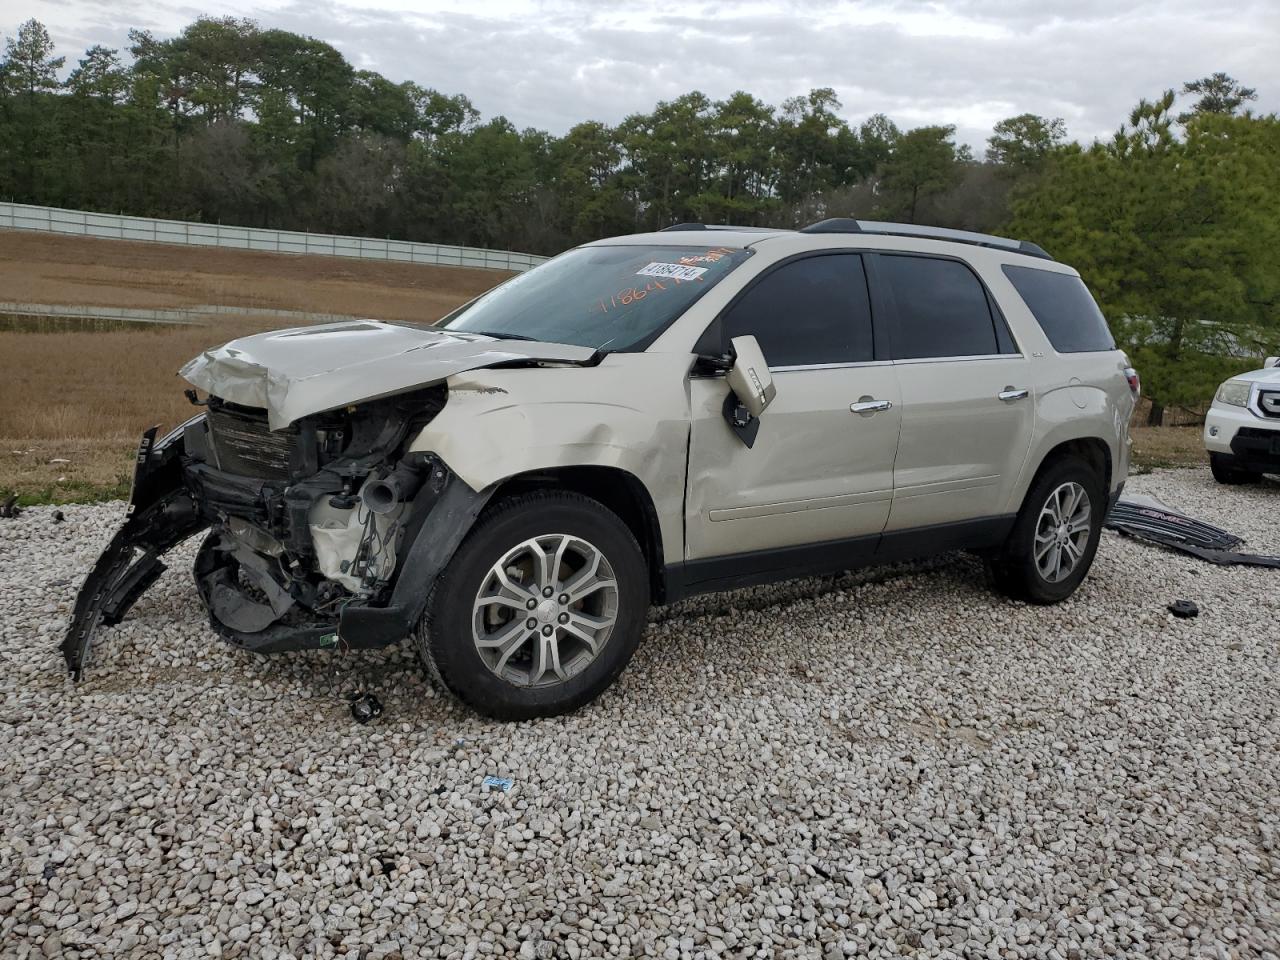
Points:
(1063, 307)
(942, 309)
(809, 311)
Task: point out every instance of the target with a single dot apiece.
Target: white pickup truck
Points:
(1242, 430)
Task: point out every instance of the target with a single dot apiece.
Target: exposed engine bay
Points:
(306, 519)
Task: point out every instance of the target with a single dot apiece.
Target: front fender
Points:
(630, 415)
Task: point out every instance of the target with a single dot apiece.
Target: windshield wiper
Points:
(500, 336)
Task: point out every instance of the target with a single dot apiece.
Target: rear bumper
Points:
(1114, 497)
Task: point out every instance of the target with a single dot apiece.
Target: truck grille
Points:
(1269, 401)
(243, 444)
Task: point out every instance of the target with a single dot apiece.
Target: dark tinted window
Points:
(814, 310)
(942, 309)
(1064, 308)
(1003, 337)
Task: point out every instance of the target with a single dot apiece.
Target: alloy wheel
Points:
(1062, 532)
(545, 610)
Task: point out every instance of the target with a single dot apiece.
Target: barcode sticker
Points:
(671, 271)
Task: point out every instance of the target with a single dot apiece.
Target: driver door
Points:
(819, 472)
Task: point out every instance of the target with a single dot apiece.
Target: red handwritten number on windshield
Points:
(629, 295)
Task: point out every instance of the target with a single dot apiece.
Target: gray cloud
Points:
(551, 63)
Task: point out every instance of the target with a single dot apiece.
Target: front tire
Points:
(1055, 538)
(539, 610)
(1225, 470)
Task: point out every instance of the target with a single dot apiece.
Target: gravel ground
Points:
(893, 763)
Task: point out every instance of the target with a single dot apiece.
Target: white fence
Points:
(21, 216)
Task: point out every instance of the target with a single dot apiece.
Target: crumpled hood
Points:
(295, 373)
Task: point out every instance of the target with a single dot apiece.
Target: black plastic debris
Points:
(1184, 609)
(1149, 520)
(10, 509)
(365, 707)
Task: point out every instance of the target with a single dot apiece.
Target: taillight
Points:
(1135, 383)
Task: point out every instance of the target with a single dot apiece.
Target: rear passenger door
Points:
(967, 405)
(819, 471)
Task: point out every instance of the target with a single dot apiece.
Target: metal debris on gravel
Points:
(891, 763)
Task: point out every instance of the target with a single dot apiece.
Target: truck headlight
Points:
(1234, 392)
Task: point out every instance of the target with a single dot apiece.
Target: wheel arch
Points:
(1093, 450)
(617, 490)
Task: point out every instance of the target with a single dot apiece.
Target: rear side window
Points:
(942, 309)
(809, 311)
(1064, 308)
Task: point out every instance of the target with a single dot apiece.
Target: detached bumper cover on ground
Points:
(1151, 520)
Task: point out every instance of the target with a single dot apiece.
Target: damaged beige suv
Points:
(635, 421)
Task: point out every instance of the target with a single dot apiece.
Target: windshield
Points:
(611, 298)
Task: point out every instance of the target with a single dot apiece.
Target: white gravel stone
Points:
(896, 762)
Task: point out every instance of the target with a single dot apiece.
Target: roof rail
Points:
(676, 227)
(849, 225)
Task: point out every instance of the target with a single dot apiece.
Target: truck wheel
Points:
(539, 610)
(1224, 470)
(1056, 535)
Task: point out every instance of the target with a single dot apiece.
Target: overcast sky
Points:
(551, 63)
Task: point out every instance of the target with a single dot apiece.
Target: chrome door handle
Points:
(868, 405)
(1009, 394)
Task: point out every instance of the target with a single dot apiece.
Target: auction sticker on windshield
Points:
(672, 271)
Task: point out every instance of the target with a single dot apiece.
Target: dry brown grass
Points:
(86, 396)
(1167, 447)
(47, 268)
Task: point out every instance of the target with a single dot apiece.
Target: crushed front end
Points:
(307, 528)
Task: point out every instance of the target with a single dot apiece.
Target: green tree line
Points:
(233, 123)
(1173, 221)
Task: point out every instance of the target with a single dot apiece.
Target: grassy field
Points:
(72, 404)
(84, 397)
(48, 268)
(1167, 447)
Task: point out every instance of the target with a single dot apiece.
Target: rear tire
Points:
(1224, 469)
(539, 610)
(1055, 538)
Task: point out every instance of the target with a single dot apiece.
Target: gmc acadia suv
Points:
(637, 420)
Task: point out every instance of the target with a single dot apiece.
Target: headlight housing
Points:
(1234, 392)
